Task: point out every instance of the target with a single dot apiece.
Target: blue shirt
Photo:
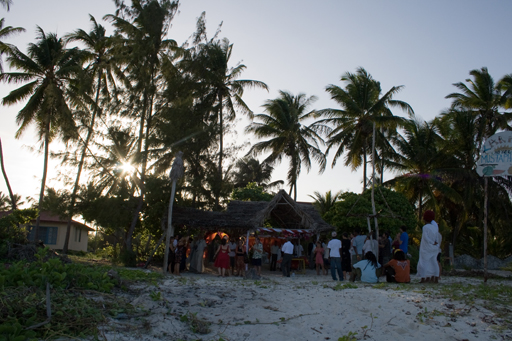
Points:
(359, 242)
(368, 273)
(404, 239)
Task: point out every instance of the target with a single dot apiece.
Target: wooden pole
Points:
(486, 179)
(169, 228)
(374, 211)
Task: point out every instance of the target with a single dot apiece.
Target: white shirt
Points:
(326, 251)
(274, 250)
(232, 247)
(334, 246)
(299, 250)
(287, 248)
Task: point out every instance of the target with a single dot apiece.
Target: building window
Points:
(78, 235)
(48, 234)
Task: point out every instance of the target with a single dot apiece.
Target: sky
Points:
(301, 47)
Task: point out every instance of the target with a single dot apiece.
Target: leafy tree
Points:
(352, 126)
(47, 69)
(351, 211)
(283, 124)
(251, 192)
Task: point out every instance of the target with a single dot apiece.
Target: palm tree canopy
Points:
(45, 69)
(283, 124)
(6, 32)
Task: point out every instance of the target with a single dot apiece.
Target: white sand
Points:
(305, 307)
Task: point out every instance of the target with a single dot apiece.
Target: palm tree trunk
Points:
(364, 170)
(420, 206)
(11, 195)
(43, 181)
(221, 155)
(80, 166)
(149, 108)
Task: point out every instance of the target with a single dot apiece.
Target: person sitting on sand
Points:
(398, 269)
(367, 269)
(222, 258)
(428, 268)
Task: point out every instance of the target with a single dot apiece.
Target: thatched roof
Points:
(248, 215)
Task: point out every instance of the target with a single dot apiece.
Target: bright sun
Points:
(126, 167)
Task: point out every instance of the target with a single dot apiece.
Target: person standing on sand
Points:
(428, 268)
(319, 259)
(232, 254)
(196, 258)
(346, 247)
(359, 240)
(240, 255)
(404, 239)
(334, 247)
(274, 251)
(385, 248)
(257, 254)
(222, 258)
(287, 251)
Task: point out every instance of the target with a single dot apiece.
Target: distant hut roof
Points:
(247, 215)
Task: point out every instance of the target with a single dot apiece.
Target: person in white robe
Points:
(196, 259)
(428, 268)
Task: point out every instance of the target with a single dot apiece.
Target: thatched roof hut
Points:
(250, 215)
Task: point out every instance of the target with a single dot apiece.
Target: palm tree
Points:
(225, 89)
(323, 203)
(483, 96)
(362, 106)
(6, 4)
(288, 136)
(97, 45)
(5, 32)
(140, 32)
(47, 68)
(251, 170)
(423, 164)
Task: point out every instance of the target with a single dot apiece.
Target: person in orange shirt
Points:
(398, 270)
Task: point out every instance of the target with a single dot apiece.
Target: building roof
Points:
(248, 215)
(47, 217)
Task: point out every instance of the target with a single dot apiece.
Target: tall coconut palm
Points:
(283, 124)
(486, 98)
(225, 88)
(251, 170)
(140, 32)
(350, 129)
(423, 164)
(97, 47)
(46, 69)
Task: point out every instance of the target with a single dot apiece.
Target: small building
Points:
(52, 231)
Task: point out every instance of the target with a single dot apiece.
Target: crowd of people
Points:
(353, 257)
